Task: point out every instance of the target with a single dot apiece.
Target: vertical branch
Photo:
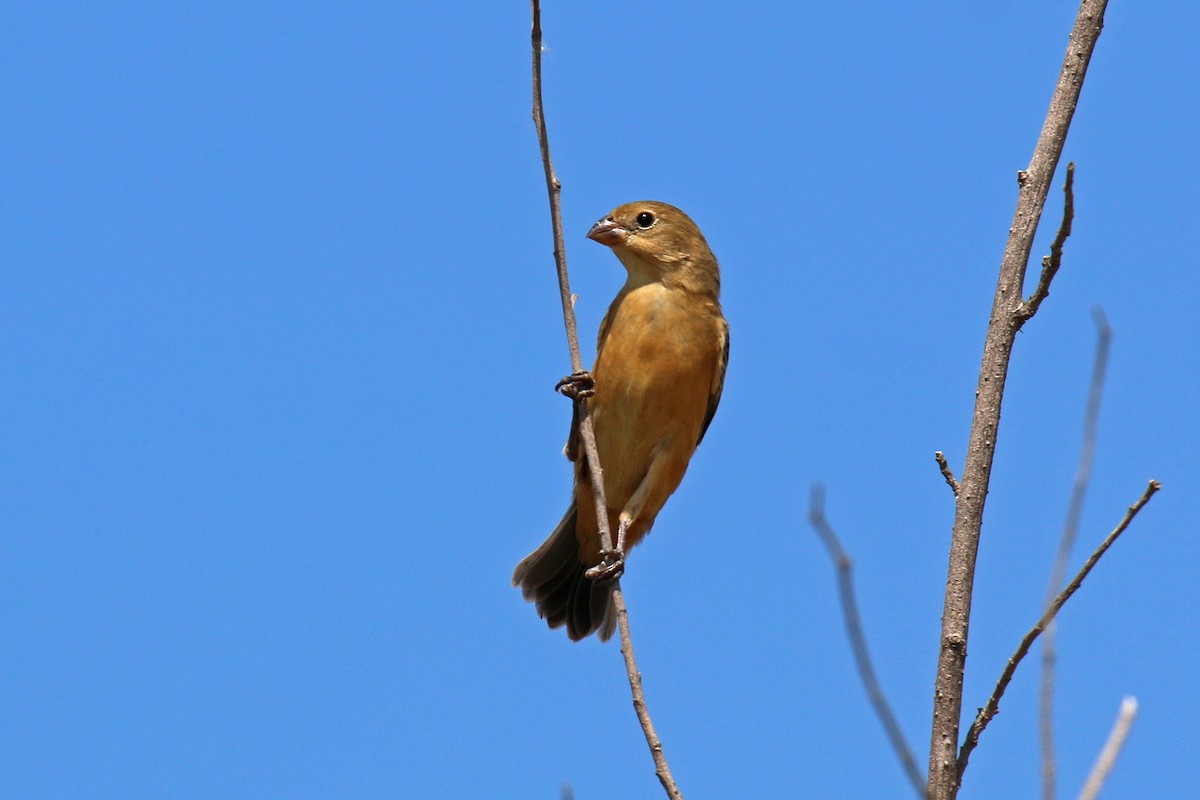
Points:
(554, 189)
(1007, 316)
(858, 640)
(639, 701)
(1083, 475)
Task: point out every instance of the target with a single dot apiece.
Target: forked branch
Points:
(993, 704)
(1052, 262)
(1009, 313)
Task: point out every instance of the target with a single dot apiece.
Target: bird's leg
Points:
(577, 385)
(651, 492)
(574, 446)
(612, 562)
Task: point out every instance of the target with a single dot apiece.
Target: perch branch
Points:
(554, 189)
(1005, 321)
(858, 640)
(993, 704)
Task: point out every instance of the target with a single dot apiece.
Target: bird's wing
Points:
(602, 334)
(718, 381)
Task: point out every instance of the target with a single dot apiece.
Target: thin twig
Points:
(1112, 748)
(1052, 262)
(947, 473)
(993, 704)
(858, 640)
(1005, 321)
(554, 189)
(639, 701)
(1083, 475)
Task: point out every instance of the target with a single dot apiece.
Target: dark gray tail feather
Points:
(552, 576)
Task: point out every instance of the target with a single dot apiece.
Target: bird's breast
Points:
(653, 379)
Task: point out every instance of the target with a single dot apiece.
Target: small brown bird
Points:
(660, 367)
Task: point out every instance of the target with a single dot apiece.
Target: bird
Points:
(657, 380)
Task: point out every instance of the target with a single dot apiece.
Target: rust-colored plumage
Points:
(660, 366)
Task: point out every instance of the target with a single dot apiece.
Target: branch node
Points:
(1005, 323)
(1052, 262)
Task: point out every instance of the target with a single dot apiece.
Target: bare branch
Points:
(639, 701)
(993, 704)
(1112, 748)
(1052, 262)
(554, 189)
(1083, 475)
(858, 640)
(1005, 321)
(940, 458)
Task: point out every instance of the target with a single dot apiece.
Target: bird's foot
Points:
(577, 385)
(611, 567)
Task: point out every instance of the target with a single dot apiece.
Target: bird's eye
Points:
(645, 220)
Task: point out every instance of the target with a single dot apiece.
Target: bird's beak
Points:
(607, 232)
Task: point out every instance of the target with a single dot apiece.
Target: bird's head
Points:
(658, 242)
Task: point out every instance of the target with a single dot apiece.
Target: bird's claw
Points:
(611, 567)
(577, 385)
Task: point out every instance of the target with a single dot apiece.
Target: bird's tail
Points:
(552, 576)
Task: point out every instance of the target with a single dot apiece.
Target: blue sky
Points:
(281, 327)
